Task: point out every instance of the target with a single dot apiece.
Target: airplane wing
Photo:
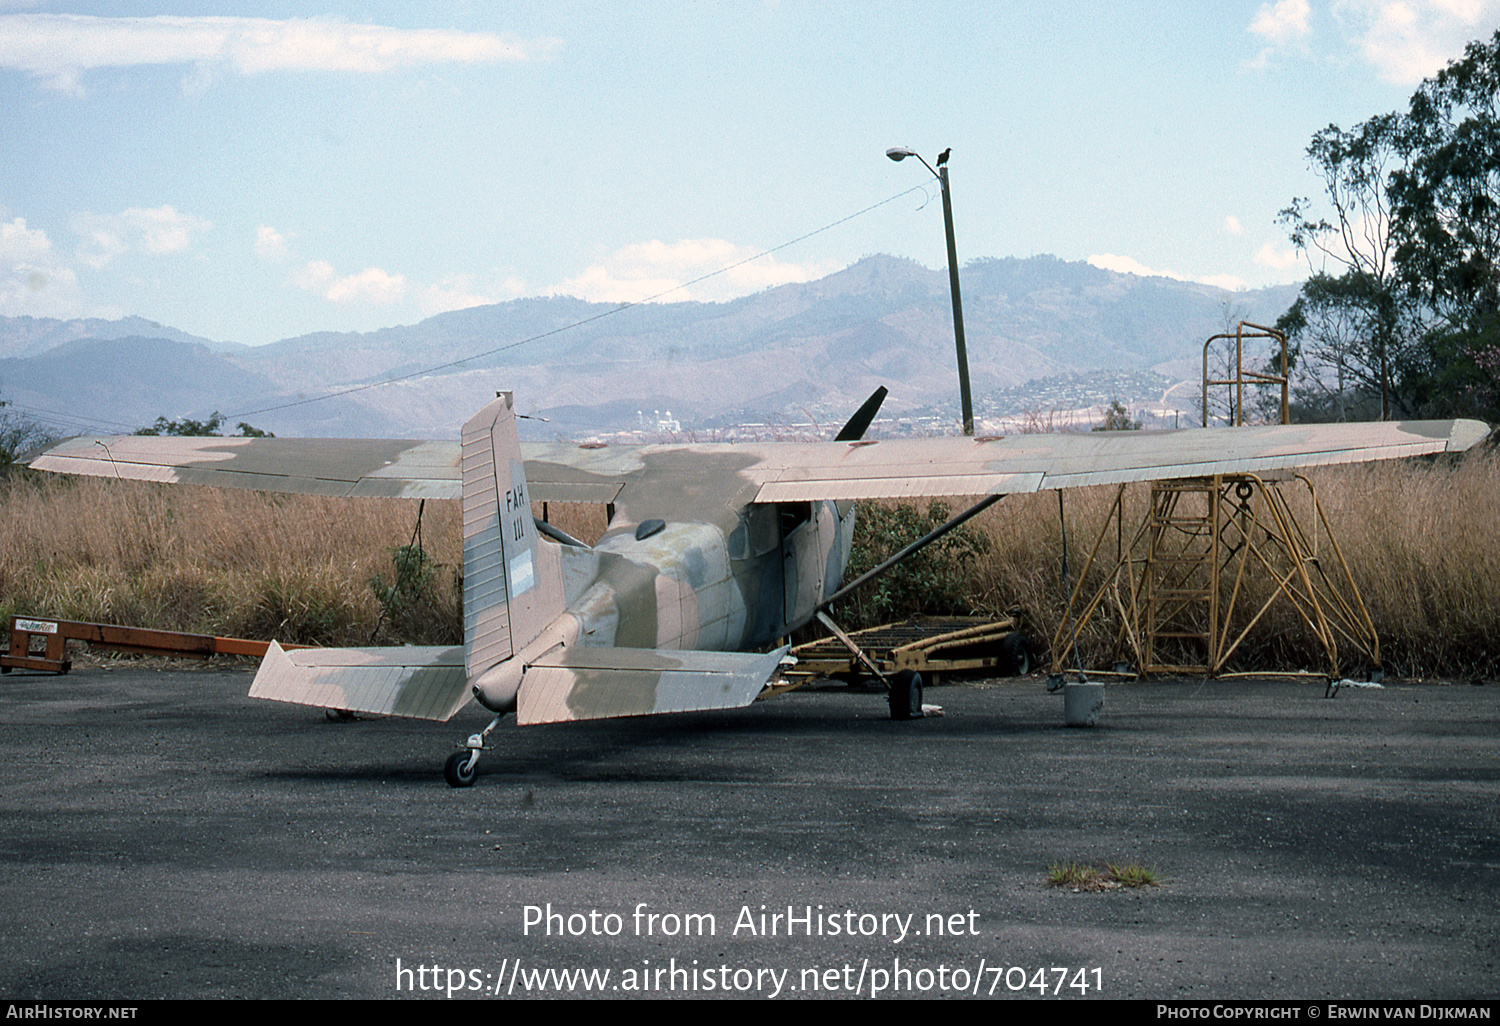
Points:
(425, 683)
(653, 479)
(1035, 462)
(365, 467)
(584, 683)
(352, 467)
(683, 479)
(697, 481)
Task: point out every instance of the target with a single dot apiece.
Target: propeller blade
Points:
(855, 429)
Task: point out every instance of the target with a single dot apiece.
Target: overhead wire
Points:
(353, 389)
(65, 420)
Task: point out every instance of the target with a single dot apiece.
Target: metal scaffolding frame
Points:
(1179, 586)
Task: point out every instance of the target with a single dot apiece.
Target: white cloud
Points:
(57, 48)
(452, 293)
(158, 230)
(315, 276)
(1282, 25)
(1367, 241)
(270, 244)
(1227, 282)
(32, 282)
(659, 271)
(1123, 265)
(372, 286)
(1276, 259)
(1282, 22)
(1232, 225)
(1405, 41)
(1129, 265)
(19, 244)
(1409, 40)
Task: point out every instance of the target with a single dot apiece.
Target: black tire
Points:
(906, 695)
(1016, 654)
(455, 773)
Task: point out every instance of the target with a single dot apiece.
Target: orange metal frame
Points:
(55, 634)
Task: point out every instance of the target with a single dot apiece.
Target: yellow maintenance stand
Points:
(1181, 586)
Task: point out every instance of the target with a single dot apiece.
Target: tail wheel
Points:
(458, 771)
(906, 695)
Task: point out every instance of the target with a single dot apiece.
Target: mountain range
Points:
(1037, 328)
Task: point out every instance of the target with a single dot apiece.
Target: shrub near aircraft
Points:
(714, 551)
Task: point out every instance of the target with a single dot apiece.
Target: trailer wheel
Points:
(1016, 653)
(906, 695)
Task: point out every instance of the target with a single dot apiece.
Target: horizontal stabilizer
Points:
(601, 683)
(422, 683)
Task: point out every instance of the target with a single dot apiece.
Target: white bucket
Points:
(1082, 704)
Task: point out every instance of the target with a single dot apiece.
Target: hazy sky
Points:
(250, 171)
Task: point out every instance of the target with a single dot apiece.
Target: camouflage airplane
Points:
(714, 552)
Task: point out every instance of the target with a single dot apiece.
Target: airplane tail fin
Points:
(512, 585)
(512, 591)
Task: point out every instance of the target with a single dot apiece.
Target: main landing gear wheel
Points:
(906, 695)
(458, 771)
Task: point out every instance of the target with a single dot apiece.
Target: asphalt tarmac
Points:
(165, 836)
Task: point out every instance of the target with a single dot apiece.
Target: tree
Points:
(1409, 310)
(1117, 418)
(1447, 202)
(201, 428)
(1447, 229)
(1341, 348)
(1349, 327)
(18, 436)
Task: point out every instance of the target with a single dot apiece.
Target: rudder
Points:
(512, 584)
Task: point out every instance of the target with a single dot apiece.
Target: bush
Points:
(412, 607)
(937, 580)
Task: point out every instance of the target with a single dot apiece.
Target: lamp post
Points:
(901, 153)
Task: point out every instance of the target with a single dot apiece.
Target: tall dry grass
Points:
(1422, 538)
(217, 561)
(1425, 550)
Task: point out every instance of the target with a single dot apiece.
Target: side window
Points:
(758, 533)
(765, 530)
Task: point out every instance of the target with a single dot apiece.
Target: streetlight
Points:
(901, 153)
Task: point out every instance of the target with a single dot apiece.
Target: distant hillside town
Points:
(1050, 342)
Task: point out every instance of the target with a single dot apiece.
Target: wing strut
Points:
(557, 534)
(849, 642)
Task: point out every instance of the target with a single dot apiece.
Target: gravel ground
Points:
(165, 836)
